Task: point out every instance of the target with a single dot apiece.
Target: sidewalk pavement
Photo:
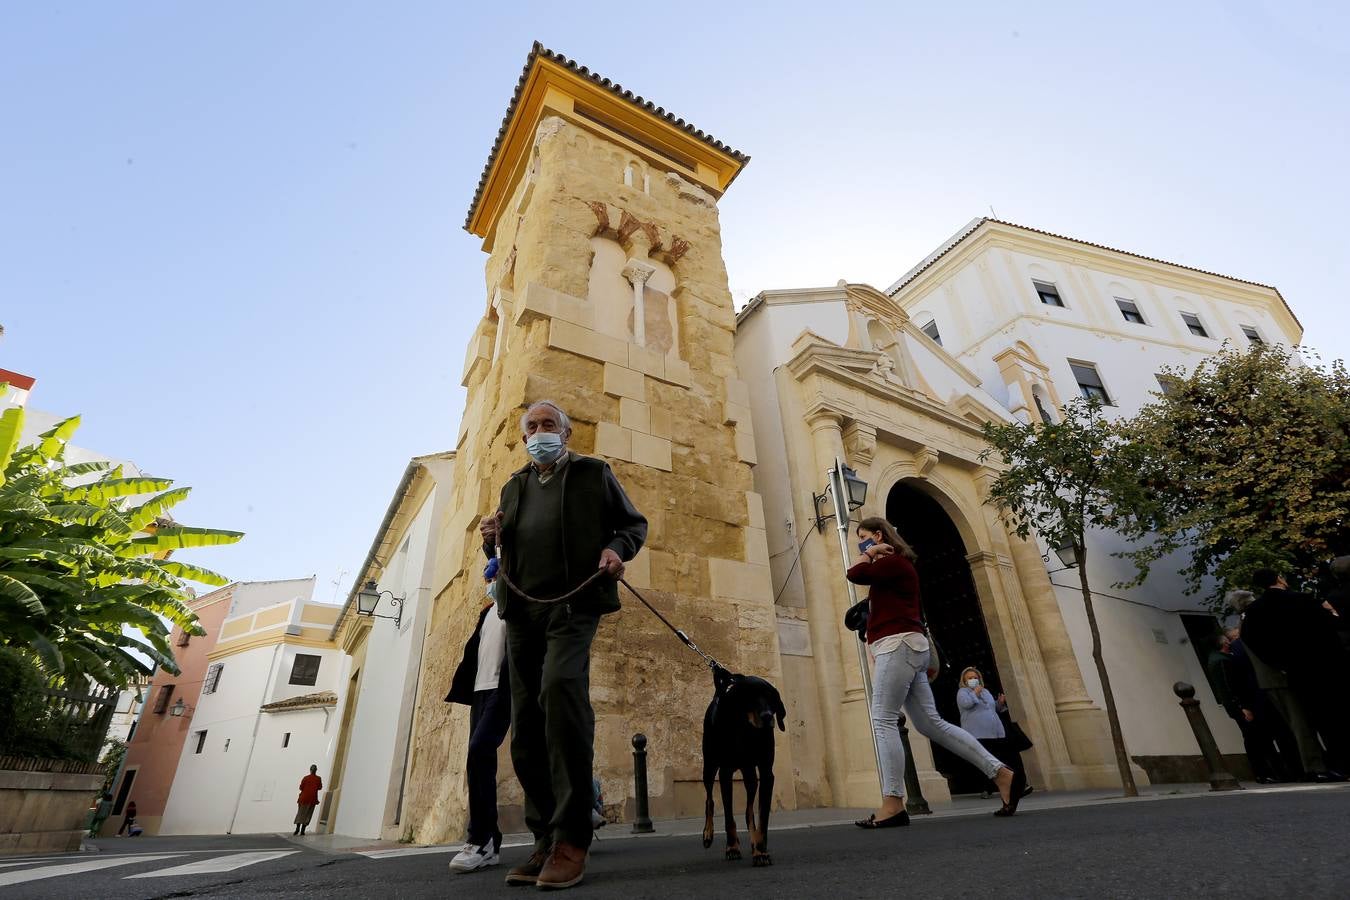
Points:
(789, 820)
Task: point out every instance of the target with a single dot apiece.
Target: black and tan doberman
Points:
(738, 736)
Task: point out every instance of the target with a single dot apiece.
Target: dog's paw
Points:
(733, 853)
(761, 859)
(707, 841)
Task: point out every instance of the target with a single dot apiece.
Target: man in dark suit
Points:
(1296, 633)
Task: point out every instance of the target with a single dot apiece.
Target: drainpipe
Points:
(257, 720)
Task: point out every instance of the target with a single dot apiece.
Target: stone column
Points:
(862, 785)
(816, 574)
(637, 273)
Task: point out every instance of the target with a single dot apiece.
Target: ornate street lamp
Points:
(179, 709)
(1067, 553)
(369, 597)
(855, 489)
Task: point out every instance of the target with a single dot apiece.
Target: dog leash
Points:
(684, 638)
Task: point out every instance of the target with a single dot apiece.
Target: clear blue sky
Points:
(230, 233)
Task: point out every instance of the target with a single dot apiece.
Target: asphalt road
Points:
(1228, 845)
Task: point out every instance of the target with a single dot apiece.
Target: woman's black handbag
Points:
(856, 619)
(1017, 739)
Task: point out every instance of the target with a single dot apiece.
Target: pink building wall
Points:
(157, 743)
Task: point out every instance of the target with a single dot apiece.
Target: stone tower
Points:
(607, 292)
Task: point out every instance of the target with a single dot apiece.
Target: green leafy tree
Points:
(1058, 481)
(82, 556)
(114, 754)
(1244, 463)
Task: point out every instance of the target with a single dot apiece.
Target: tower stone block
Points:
(607, 293)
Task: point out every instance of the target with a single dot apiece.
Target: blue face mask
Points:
(862, 547)
(544, 447)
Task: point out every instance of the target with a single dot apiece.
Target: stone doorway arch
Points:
(952, 605)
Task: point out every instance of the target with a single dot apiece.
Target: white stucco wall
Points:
(1142, 669)
(984, 302)
(376, 750)
(243, 779)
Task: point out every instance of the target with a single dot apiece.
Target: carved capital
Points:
(638, 272)
(860, 443)
(821, 420)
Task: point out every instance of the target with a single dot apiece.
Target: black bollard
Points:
(1219, 777)
(642, 824)
(915, 804)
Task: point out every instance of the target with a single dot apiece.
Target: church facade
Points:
(606, 291)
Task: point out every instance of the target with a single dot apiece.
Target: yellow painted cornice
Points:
(311, 637)
(551, 84)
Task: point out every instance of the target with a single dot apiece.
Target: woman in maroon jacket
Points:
(900, 650)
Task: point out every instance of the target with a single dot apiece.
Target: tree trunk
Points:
(1117, 736)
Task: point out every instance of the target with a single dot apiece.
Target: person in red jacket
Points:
(901, 651)
(310, 786)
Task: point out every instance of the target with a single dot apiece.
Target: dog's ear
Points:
(779, 709)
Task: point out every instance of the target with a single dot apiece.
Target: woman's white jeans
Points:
(901, 682)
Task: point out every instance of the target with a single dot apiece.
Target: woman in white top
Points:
(480, 682)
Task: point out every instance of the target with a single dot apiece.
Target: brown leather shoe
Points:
(565, 867)
(528, 871)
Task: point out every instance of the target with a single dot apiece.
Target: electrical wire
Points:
(793, 567)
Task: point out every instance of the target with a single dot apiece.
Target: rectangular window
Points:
(1089, 382)
(201, 741)
(212, 678)
(1048, 293)
(286, 739)
(305, 669)
(1252, 334)
(931, 330)
(1167, 384)
(1130, 310)
(162, 700)
(1193, 323)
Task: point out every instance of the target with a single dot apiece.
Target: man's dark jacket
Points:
(466, 673)
(1234, 682)
(596, 513)
(1292, 631)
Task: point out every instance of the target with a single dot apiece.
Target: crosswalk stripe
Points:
(87, 865)
(218, 864)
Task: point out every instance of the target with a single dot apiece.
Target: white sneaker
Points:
(472, 857)
(597, 820)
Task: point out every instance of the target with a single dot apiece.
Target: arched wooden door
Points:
(952, 606)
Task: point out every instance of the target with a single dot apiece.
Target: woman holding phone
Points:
(901, 650)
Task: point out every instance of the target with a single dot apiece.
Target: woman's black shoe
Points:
(1017, 790)
(895, 821)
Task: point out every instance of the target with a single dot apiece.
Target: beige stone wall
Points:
(44, 812)
(831, 401)
(671, 416)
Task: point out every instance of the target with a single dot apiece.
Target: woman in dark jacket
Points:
(901, 651)
(480, 683)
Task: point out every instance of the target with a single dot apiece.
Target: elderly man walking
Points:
(563, 523)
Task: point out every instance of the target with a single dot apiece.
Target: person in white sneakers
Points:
(481, 683)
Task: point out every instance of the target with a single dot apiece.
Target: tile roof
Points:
(975, 224)
(304, 701)
(538, 51)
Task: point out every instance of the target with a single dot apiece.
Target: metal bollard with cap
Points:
(642, 823)
(1219, 778)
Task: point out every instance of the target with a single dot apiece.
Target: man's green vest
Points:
(584, 530)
